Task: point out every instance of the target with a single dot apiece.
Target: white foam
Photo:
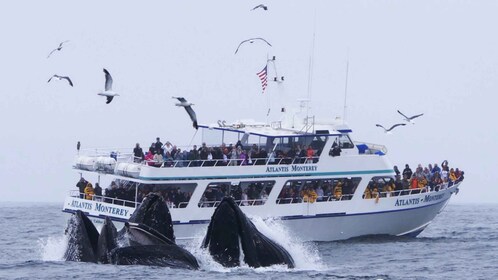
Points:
(305, 254)
(53, 248)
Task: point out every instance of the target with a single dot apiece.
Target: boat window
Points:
(320, 190)
(250, 193)
(345, 142)
(176, 195)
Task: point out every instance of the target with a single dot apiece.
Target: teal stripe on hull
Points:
(269, 175)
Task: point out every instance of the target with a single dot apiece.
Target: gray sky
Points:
(434, 57)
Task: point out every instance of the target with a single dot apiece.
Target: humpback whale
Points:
(230, 227)
(82, 239)
(150, 237)
(154, 213)
(107, 241)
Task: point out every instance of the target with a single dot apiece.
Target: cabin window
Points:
(251, 193)
(176, 195)
(345, 142)
(320, 190)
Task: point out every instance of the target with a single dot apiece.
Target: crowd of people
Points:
(424, 179)
(317, 190)
(169, 155)
(123, 193)
(252, 193)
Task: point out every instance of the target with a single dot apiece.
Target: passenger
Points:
(310, 153)
(81, 186)
(389, 187)
(167, 147)
(319, 194)
(234, 156)
(375, 194)
(422, 182)
(98, 190)
(414, 183)
(138, 153)
(242, 157)
(158, 146)
(452, 177)
(194, 156)
(149, 156)
(244, 198)
(336, 150)
(203, 152)
(436, 168)
(312, 195)
(239, 145)
(367, 194)
(271, 158)
(338, 191)
(396, 170)
(89, 192)
(407, 172)
(158, 159)
(302, 154)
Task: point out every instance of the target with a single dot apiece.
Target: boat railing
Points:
(242, 202)
(426, 189)
(231, 162)
(323, 198)
(106, 199)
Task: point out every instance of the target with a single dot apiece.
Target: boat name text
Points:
(415, 201)
(293, 168)
(99, 207)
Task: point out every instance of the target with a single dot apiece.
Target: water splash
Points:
(305, 254)
(52, 248)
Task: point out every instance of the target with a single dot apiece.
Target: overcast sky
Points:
(439, 58)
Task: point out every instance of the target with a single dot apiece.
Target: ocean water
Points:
(461, 243)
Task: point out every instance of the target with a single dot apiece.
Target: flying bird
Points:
(58, 48)
(391, 128)
(251, 41)
(187, 105)
(57, 77)
(260, 6)
(108, 88)
(410, 119)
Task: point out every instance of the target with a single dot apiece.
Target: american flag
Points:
(263, 77)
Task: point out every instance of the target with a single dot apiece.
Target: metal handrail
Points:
(100, 198)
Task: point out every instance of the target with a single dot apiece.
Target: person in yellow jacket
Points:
(89, 192)
(452, 176)
(338, 190)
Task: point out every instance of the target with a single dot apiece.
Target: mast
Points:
(310, 70)
(346, 90)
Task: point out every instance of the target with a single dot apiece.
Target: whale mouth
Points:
(231, 236)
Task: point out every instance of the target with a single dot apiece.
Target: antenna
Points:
(346, 90)
(310, 70)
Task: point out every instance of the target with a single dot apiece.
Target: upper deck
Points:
(254, 150)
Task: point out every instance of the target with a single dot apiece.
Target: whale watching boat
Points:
(314, 180)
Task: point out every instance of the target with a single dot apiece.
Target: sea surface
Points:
(461, 243)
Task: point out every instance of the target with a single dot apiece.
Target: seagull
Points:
(58, 48)
(57, 77)
(187, 105)
(108, 88)
(392, 127)
(410, 119)
(251, 41)
(260, 6)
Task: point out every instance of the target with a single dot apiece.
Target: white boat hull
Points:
(400, 215)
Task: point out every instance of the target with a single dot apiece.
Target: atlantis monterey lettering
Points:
(292, 168)
(99, 207)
